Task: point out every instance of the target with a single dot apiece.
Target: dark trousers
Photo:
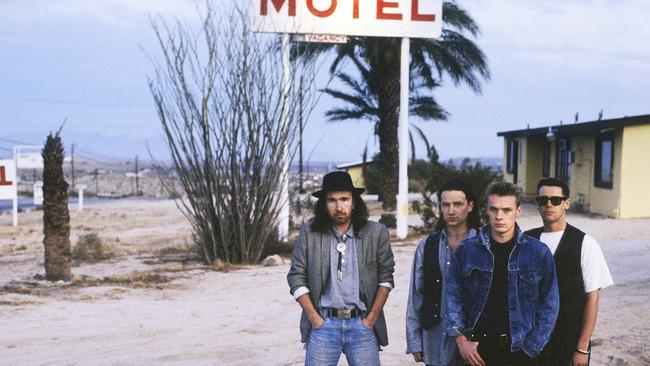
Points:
(560, 348)
(496, 354)
(558, 354)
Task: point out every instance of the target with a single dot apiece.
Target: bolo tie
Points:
(340, 248)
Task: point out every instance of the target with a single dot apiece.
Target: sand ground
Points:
(151, 303)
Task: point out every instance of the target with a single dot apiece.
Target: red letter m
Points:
(277, 4)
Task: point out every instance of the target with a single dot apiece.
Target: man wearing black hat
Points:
(341, 273)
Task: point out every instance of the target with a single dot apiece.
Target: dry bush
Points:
(89, 248)
(230, 126)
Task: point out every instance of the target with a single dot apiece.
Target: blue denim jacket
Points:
(533, 297)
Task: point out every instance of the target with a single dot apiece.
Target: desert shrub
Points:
(89, 248)
(389, 220)
(428, 211)
(230, 125)
(372, 178)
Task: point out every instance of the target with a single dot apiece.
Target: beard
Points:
(341, 219)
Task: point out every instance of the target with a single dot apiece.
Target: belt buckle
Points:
(344, 314)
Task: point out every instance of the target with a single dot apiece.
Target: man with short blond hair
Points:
(582, 272)
(502, 297)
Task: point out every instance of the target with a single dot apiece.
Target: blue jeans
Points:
(337, 336)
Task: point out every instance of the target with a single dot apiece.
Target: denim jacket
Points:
(533, 297)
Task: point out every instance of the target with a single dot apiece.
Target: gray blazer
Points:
(310, 267)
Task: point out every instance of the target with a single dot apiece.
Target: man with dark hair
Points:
(502, 296)
(581, 270)
(341, 273)
(426, 336)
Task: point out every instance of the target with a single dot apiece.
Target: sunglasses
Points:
(543, 200)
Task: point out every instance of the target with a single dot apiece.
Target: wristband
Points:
(584, 352)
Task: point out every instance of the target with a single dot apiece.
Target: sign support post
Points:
(403, 135)
(15, 197)
(15, 210)
(283, 224)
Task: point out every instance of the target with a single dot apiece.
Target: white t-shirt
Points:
(595, 272)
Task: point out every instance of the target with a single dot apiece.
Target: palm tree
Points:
(374, 95)
(56, 218)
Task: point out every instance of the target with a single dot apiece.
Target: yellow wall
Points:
(635, 181)
(603, 201)
(504, 167)
(356, 172)
(529, 165)
(534, 162)
(553, 158)
(521, 163)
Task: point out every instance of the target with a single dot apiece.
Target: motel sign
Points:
(8, 186)
(373, 18)
(377, 18)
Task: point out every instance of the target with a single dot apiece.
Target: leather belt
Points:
(342, 313)
(499, 339)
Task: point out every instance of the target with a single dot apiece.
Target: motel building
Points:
(355, 170)
(606, 163)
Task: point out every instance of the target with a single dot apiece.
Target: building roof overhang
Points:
(579, 128)
(354, 164)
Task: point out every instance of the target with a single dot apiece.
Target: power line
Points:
(92, 154)
(75, 102)
(16, 141)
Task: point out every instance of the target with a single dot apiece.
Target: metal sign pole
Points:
(283, 228)
(402, 194)
(15, 198)
(81, 199)
(15, 210)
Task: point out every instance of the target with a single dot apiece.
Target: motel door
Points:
(562, 171)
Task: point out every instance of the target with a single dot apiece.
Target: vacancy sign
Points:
(376, 18)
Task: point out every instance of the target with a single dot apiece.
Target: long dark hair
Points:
(459, 184)
(323, 222)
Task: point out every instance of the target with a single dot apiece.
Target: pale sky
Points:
(549, 59)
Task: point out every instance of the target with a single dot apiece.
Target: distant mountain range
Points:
(107, 149)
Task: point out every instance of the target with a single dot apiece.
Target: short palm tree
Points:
(56, 218)
(374, 94)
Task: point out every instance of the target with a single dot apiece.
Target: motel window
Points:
(511, 158)
(604, 169)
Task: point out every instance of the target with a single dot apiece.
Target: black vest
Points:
(564, 338)
(432, 296)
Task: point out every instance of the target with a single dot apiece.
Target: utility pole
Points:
(72, 187)
(96, 181)
(137, 181)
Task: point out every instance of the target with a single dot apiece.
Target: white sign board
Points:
(29, 161)
(7, 179)
(377, 18)
(38, 193)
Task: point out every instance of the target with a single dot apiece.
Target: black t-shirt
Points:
(494, 319)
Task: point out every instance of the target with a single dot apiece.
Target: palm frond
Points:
(453, 16)
(426, 108)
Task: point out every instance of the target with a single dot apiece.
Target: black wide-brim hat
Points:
(337, 181)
